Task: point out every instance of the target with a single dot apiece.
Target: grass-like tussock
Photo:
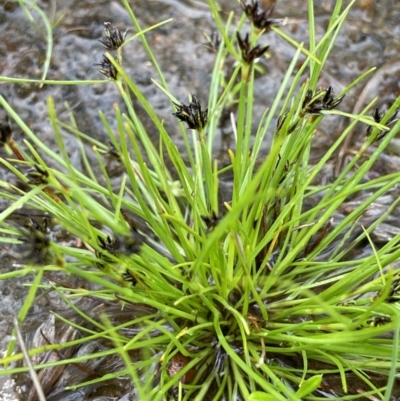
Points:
(250, 292)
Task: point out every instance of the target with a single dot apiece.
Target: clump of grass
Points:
(256, 295)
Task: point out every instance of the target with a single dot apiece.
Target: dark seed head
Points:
(114, 37)
(394, 294)
(249, 54)
(320, 101)
(259, 17)
(37, 242)
(37, 175)
(191, 114)
(213, 43)
(5, 131)
(129, 277)
(377, 321)
(120, 245)
(211, 221)
(106, 244)
(378, 116)
(107, 68)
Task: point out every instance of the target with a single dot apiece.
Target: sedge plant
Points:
(236, 281)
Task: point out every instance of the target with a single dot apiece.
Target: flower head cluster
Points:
(394, 294)
(211, 221)
(113, 40)
(114, 37)
(261, 18)
(249, 54)
(37, 243)
(213, 43)
(38, 175)
(119, 245)
(192, 114)
(378, 116)
(128, 276)
(107, 68)
(322, 100)
(5, 131)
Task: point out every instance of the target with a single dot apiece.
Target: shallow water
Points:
(370, 38)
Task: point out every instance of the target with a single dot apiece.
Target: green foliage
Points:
(256, 294)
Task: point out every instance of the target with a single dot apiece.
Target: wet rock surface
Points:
(370, 38)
